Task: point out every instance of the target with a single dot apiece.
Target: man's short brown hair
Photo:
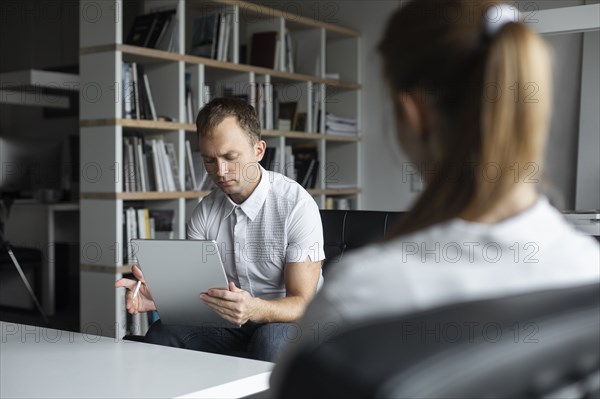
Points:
(213, 113)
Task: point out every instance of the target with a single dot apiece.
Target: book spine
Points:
(168, 172)
(136, 97)
(141, 223)
(150, 99)
(157, 168)
(140, 166)
(188, 152)
(172, 157)
(133, 176)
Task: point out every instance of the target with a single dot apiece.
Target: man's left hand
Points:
(234, 305)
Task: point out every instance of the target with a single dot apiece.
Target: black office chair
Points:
(541, 344)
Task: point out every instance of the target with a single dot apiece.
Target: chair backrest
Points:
(536, 344)
(347, 230)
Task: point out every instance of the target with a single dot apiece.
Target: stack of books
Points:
(264, 108)
(137, 95)
(149, 164)
(306, 161)
(191, 107)
(212, 36)
(144, 223)
(340, 125)
(156, 30)
(269, 161)
(267, 47)
(196, 178)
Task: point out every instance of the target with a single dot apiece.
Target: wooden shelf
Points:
(108, 269)
(309, 136)
(141, 124)
(158, 196)
(188, 127)
(148, 55)
(24, 88)
(251, 9)
(335, 191)
(145, 196)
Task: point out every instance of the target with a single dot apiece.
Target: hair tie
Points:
(498, 15)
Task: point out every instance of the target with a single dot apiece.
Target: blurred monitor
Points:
(28, 165)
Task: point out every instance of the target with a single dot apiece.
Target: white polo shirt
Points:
(279, 223)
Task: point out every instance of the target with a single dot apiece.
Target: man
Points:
(270, 236)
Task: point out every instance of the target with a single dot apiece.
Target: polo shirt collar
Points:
(255, 202)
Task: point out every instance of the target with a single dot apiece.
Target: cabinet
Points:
(103, 27)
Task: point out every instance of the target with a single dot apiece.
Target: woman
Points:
(471, 89)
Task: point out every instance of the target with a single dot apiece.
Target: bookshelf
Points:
(104, 27)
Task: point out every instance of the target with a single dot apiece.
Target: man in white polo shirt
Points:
(270, 236)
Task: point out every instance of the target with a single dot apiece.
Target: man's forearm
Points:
(281, 310)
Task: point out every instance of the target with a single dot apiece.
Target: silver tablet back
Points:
(176, 272)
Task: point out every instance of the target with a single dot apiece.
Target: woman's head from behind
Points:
(472, 94)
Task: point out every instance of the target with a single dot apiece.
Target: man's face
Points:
(231, 161)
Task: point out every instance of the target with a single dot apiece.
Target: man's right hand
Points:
(143, 301)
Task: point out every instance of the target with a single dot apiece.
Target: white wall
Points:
(386, 181)
(561, 152)
(588, 165)
(382, 160)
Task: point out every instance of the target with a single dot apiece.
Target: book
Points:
(173, 165)
(316, 113)
(203, 35)
(190, 108)
(139, 163)
(170, 40)
(162, 21)
(228, 37)
(164, 220)
(126, 165)
(149, 167)
(149, 98)
(165, 40)
(263, 49)
(340, 125)
(157, 166)
(128, 100)
(143, 223)
(289, 52)
(277, 61)
(136, 95)
(312, 183)
(308, 173)
(167, 172)
(190, 176)
(300, 122)
(141, 166)
(141, 30)
(132, 177)
(131, 232)
(288, 111)
(221, 38)
(306, 162)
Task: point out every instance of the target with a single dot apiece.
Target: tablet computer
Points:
(176, 272)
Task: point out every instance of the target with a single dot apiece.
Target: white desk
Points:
(40, 362)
